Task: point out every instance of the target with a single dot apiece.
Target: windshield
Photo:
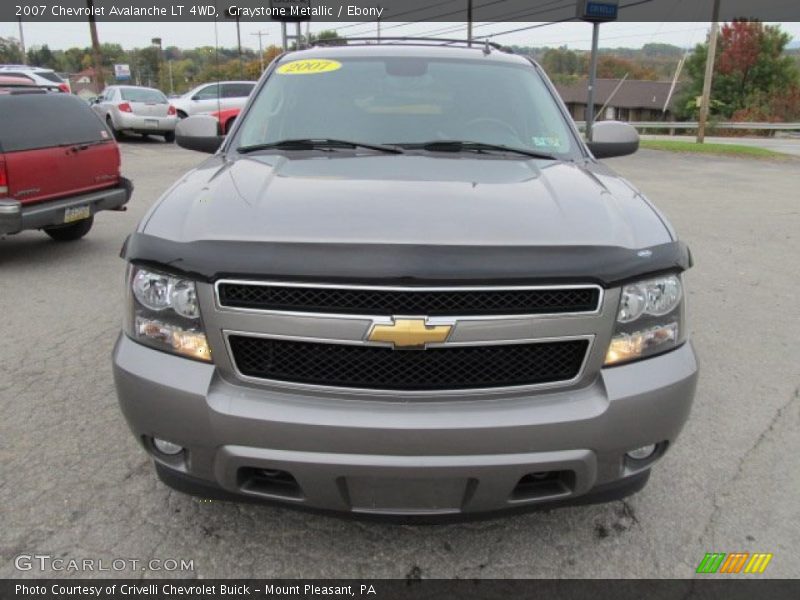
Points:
(402, 100)
(143, 95)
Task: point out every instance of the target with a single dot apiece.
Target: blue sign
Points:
(598, 11)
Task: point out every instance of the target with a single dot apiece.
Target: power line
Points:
(516, 13)
(434, 17)
(402, 14)
(624, 6)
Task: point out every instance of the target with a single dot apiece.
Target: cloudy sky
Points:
(185, 35)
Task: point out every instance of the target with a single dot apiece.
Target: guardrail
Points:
(710, 126)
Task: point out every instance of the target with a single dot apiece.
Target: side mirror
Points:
(613, 138)
(200, 132)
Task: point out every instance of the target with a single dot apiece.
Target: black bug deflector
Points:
(406, 263)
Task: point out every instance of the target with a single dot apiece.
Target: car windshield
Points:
(143, 95)
(408, 100)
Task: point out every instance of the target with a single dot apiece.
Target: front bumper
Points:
(16, 216)
(372, 455)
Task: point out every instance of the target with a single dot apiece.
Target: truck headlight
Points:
(164, 313)
(649, 320)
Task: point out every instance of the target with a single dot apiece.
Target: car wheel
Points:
(169, 137)
(69, 233)
(117, 134)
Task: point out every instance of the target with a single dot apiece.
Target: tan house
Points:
(635, 100)
(82, 83)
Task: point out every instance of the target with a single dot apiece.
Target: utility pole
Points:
(705, 100)
(99, 80)
(592, 81)
(156, 43)
(260, 48)
(232, 14)
(22, 43)
(469, 22)
(239, 47)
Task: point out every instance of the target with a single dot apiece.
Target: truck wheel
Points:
(169, 137)
(69, 233)
(117, 134)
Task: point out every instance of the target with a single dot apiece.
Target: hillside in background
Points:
(656, 62)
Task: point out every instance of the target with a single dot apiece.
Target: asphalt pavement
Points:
(74, 484)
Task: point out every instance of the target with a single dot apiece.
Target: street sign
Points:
(122, 72)
(598, 11)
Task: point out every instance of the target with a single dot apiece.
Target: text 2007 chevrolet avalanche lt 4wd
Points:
(404, 285)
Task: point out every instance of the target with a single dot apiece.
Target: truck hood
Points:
(406, 199)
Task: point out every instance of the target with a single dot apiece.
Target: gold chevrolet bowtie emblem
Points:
(409, 333)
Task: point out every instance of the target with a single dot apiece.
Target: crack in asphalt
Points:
(762, 437)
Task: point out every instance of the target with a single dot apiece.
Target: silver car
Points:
(133, 109)
(403, 284)
(44, 78)
(211, 97)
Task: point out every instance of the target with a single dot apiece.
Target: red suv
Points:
(59, 165)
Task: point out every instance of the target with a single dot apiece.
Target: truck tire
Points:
(72, 232)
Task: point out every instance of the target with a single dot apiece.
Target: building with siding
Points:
(634, 101)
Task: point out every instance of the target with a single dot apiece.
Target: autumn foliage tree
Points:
(751, 71)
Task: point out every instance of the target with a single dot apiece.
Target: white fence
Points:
(710, 126)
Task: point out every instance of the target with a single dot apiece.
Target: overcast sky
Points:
(189, 35)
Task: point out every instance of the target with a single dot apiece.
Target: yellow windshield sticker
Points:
(309, 67)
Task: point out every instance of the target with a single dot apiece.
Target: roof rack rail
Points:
(412, 41)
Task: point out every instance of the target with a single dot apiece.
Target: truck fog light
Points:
(166, 447)
(643, 452)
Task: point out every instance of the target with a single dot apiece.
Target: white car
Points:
(133, 109)
(211, 97)
(46, 78)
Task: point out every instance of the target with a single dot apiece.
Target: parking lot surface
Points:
(76, 485)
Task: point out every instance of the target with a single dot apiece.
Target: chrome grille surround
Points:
(481, 330)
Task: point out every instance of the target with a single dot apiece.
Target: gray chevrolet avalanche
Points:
(404, 285)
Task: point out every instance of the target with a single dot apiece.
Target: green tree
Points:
(10, 51)
(562, 61)
(749, 68)
(42, 57)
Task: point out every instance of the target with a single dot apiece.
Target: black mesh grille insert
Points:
(375, 367)
(451, 303)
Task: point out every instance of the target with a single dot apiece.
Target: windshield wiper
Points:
(313, 144)
(465, 146)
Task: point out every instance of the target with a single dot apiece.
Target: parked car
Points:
(133, 109)
(226, 118)
(46, 78)
(59, 165)
(9, 83)
(211, 97)
(403, 284)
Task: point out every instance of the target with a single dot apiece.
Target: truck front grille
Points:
(450, 302)
(380, 368)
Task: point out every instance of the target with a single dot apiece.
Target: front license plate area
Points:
(77, 213)
(406, 495)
